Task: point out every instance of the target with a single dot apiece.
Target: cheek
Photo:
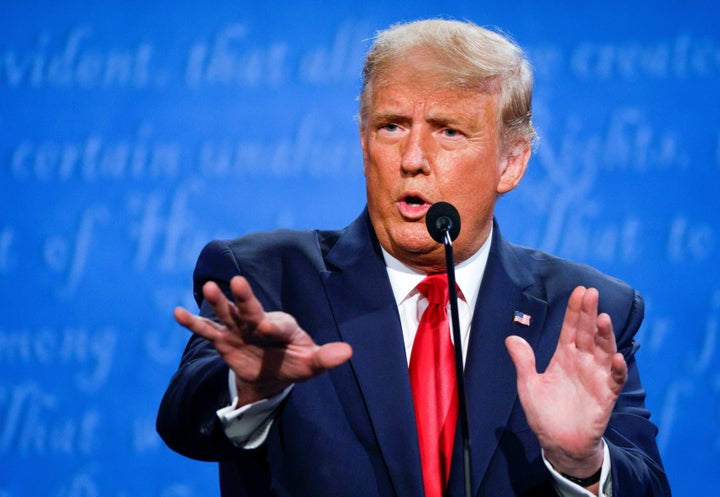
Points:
(376, 188)
(473, 199)
(377, 170)
(372, 179)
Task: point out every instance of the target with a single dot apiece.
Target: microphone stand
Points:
(459, 374)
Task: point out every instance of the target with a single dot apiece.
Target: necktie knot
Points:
(435, 288)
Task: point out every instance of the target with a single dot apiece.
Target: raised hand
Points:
(569, 405)
(267, 351)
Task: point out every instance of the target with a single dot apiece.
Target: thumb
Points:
(332, 355)
(522, 356)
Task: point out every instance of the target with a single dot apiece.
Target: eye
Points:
(390, 127)
(450, 133)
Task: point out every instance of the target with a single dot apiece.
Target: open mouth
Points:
(413, 207)
(414, 201)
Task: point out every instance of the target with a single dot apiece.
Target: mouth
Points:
(413, 206)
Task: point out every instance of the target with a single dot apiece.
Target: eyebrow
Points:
(436, 119)
(389, 117)
(444, 119)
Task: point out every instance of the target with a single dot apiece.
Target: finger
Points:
(277, 328)
(332, 355)
(522, 357)
(199, 325)
(240, 317)
(607, 346)
(253, 323)
(587, 321)
(221, 306)
(572, 317)
(619, 372)
(212, 293)
(248, 306)
(183, 316)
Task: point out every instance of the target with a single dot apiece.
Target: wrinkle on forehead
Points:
(416, 92)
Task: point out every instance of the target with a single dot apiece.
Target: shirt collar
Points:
(468, 274)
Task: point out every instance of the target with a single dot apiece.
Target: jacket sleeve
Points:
(636, 466)
(187, 419)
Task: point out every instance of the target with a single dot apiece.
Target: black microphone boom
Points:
(443, 224)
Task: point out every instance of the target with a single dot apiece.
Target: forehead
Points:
(422, 81)
(430, 99)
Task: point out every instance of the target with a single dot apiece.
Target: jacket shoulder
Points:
(266, 259)
(556, 272)
(554, 278)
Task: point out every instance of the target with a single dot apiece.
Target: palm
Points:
(569, 405)
(267, 351)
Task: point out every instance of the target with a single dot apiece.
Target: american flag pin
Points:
(521, 318)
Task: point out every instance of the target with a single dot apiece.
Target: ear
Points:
(513, 167)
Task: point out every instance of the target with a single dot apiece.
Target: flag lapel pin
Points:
(521, 318)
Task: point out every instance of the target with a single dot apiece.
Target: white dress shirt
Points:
(411, 303)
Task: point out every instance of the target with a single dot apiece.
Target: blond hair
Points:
(466, 56)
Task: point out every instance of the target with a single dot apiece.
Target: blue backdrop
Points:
(132, 132)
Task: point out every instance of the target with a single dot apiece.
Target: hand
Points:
(267, 351)
(568, 406)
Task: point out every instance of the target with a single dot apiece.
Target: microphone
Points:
(440, 218)
(443, 224)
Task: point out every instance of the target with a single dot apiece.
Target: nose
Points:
(414, 159)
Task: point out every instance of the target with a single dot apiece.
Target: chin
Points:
(427, 263)
(427, 256)
(414, 239)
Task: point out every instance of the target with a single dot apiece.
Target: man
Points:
(300, 376)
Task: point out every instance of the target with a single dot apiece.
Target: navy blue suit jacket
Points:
(351, 431)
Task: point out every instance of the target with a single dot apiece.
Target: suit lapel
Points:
(489, 373)
(364, 309)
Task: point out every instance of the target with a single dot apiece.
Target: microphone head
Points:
(442, 217)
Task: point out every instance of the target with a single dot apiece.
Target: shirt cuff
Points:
(248, 426)
(566, 488)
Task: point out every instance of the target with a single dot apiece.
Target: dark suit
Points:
(351, 431)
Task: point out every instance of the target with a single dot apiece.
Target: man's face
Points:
(424, 142)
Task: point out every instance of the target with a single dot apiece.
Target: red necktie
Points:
(432, 377)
